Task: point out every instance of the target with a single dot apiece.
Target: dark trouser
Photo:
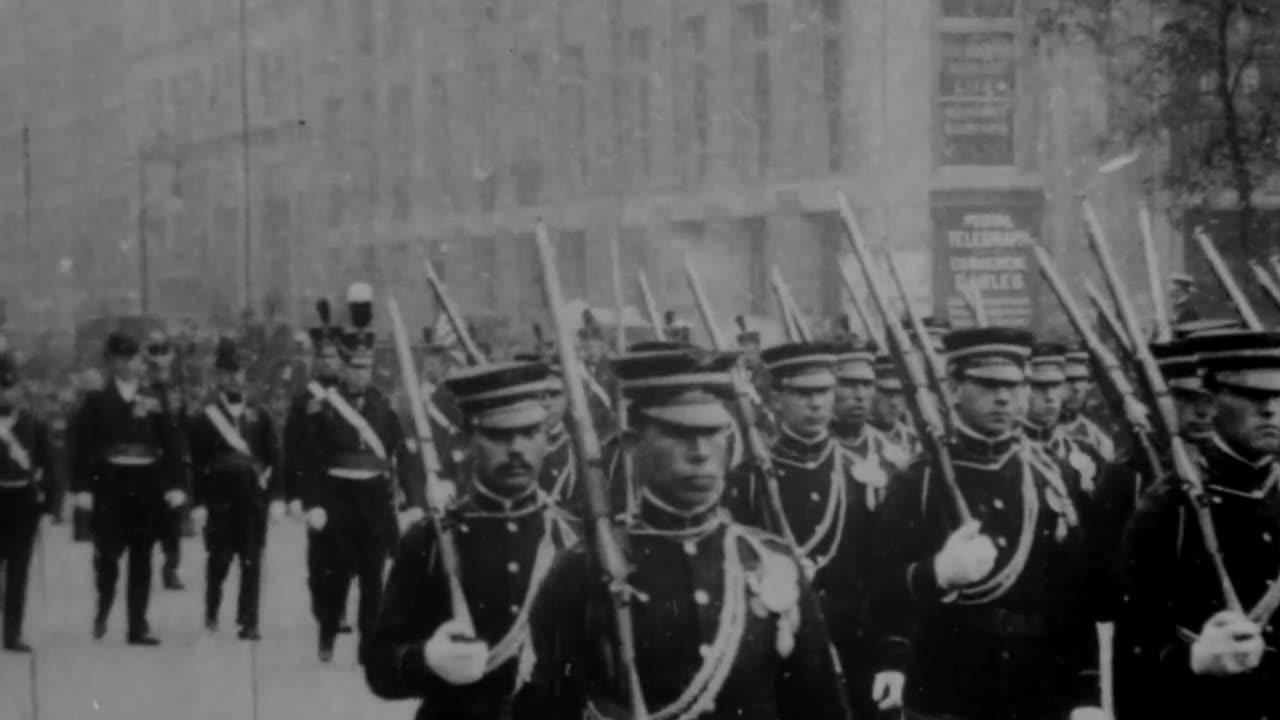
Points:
(235, 531)
(128, 507)
(19, 521)
(315, 572)
(171, 539)
(356, 542)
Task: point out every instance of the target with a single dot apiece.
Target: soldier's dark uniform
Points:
(165, 386)
(724, 627)
(829, 499)
(1083, 463)
(1021, 643)
(1077, 425)
(299, 464)
(505, 548)
(129, 457)
(25, 460)
(354, 485)
(896, 431)
(1171, 587)
(234, 453)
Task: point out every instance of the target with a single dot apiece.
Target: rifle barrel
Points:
(1228, 281)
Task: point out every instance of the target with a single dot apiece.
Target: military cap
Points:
(800, 365)
(1207, 325)
(989, 353)
(326, 334)
(887, 377)
(502, 396)
(1178, 363)
(8, 370)
(1048, 363)
(1248, 360)
(358, 340)
(158, 345)
(854, 359)
(1078, 364)
(683, 387)
(677, 328)
(122, 345)
(746, 335)
(227, 356)
(555, 374)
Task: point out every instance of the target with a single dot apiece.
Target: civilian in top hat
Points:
(162, 378)
(828, 496)
(724, 625)
(1182, 292)
(1189, 656)
(129, 471)
(237, 479)
(507, 530)
(991, 619)
(25, 462)
(889, 408)
(351, 503)
(1075, 423)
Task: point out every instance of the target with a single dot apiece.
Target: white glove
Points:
(199, 515)
(1229, 644)
(84, 501)
(886, 690)
(411, 516)
(317, 518)
(441, 494)
(967, 557)
(175, 498)
(453, 657)
(276, 509)
(295, 508)
(1088, 713)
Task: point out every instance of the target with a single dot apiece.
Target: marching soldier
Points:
(889, 408)
(724, 625)
(1047, 379)
(855, 392)
(1190, 655)
(828, 495)
(350, 499)
(1182, 293)
(594, 351)
(989, 619)
(443, 408)
(558, 476)
(160, 356)
(129, 473)
(234, 454)
(25, 461)
(507, 530)
(1075, 423)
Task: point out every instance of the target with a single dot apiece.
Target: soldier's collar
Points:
(850, 433)
(488, 502)
(800, 449)
(658, 517)
(1039, 433)
(974, 445)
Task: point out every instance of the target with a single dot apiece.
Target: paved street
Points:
(194, 675)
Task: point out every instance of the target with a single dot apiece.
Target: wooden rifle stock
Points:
(474, 356)
(431, 469)
(933, 434)
(1165, 418)
(937, 371)
(619, 305)
(1163, 331)
(602, 544)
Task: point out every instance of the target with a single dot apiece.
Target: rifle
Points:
(431, 468)
(972, 297)
(650, 307)
(704, 308)
(924, 411)
(1163, 331)
(796, 331)
(1251, 319)
(602, 545)
(615, 262)
(474, 356)
(1108, 316)
(1267, 282)
(1166, 414)
(937, 371)
(863, 314)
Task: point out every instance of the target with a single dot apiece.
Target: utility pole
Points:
(144, 254)
(246, 249)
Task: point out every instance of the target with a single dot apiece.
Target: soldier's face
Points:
(683, 467)
(593, 350)
(888, 407)
(1196, 411)
(1250, 420)
(434, 366)
(990, 407)
(806, 411)
(359, 377)
(1045, 404)
(853, 400)
(328, 363)
(129, 368)
(557, 403)
(231, 381)
(1077, 392)
(508, 461)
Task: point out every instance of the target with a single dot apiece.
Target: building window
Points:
(527, 163)
(640, 75)
(573, 105)
(693, 102)
(977, 78)
(751, 38)
(833, 63)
